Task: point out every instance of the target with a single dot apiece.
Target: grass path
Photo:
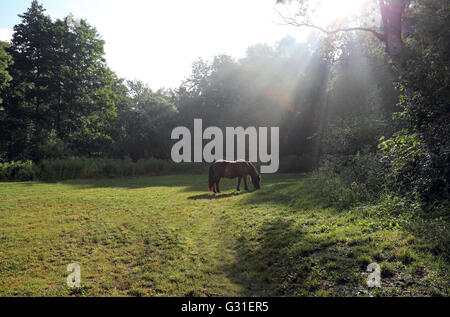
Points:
(167, 236)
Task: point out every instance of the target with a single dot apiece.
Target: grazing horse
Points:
(232, 169)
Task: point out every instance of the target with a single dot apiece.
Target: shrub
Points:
(19, 171)
(346, 181)
(414, 170)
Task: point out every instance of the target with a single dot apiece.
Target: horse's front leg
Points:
(245, 182)
(239, 183)
(217, 185)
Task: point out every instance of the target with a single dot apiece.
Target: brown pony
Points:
(232, 169)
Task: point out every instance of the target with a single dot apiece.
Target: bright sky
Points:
(156, 41)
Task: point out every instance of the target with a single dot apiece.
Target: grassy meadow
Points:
(168, 236)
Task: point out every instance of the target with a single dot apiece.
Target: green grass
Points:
(167, 236)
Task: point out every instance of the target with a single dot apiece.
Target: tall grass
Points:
(83, 167)
(76, 167)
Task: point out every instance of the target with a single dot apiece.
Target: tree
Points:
(83, 96)
(61, 100)
(419, 153)
(146, 119)
(5, 78)
(5, 62)
(28, 98)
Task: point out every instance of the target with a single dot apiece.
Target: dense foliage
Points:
(419, 153)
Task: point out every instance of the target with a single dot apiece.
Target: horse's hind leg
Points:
(239, 183)
(245, 182)
(217, 185)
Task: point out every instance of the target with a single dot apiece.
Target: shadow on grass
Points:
(293, 191)
(283, 258)
(218, 196)
(267, 263)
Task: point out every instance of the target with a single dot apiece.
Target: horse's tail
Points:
(211, 178)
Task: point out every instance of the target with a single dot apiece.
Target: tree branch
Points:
(294, 22)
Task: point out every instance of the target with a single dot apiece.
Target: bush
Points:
(414, 171)
(332, 189)
(18, 171)
(347, 180)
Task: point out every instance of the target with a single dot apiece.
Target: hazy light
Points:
(331, 11)
(157, 41)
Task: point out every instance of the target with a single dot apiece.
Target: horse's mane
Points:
(253, 171)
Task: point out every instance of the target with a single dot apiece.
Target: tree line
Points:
(335, 99)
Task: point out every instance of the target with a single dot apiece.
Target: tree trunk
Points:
(391, 14)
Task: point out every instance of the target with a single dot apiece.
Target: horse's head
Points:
(256, 178)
